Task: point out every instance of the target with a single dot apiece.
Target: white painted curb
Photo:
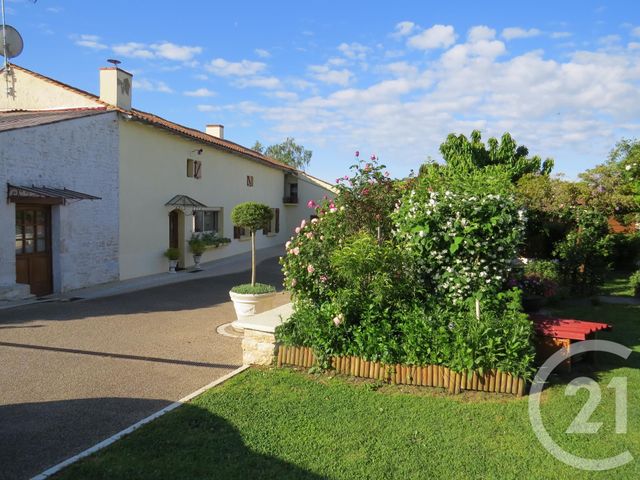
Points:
(105, 443)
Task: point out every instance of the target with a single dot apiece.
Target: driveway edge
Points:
(114, 438)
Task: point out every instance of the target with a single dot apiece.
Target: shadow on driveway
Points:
(190, 442)
(183, 296)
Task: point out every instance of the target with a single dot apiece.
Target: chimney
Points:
(215, 131)
(115, 87)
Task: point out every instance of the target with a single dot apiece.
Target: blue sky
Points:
(390, 78)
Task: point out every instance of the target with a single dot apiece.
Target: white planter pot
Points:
(196, 261)
(172, 266)
(247, 305)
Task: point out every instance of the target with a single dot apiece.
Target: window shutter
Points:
(236, 232)
(197, 169)
(277, 220)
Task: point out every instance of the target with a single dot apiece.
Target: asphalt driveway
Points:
(75, 373)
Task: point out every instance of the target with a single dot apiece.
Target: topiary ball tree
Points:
(253, 216)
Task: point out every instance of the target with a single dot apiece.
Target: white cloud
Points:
(636, 32)
(54, 9)
(481, 32)
(404, 28)
(171, 51)
(200, 92)
(325, 74)
(89, 41)
(151, 85)
(438, 36)
(512, 33)
(262, 53)
(579, 104)
(133, 50)
(633, 46)
(560, 34)
(354, 51)
(224, 68)
(609, 40)
(270, 83)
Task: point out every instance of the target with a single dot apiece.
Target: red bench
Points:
(554, 333)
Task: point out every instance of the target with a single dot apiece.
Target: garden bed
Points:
(492, 381)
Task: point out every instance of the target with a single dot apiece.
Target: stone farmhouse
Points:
(95, 191)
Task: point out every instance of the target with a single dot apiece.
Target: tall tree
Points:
(465, 154)
(288, 152)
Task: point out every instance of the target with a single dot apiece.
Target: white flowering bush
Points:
(462, 244)
(400, 286)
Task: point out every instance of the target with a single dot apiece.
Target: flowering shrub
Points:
(369, 196)
(401, 287)
(463, 244)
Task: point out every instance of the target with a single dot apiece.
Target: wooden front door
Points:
(33, 248)
(174, 225)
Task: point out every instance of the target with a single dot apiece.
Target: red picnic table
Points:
(554, 333)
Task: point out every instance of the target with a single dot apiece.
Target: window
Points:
(194, 168)
(240, 233)
(274, 226)
(206, 221)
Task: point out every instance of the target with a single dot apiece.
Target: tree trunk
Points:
(253, 258)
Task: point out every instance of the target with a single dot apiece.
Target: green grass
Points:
(618, 284)
(284, 424)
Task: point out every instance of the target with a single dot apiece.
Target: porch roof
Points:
(33, 194)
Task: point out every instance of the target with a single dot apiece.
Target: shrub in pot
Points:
(197, 247)
(252, 298)
(173, 254)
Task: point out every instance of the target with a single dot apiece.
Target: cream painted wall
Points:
(153, 170)
(32, 93)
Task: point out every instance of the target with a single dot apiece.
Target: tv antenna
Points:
(114, 62)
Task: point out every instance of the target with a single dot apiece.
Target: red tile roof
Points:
(171, 126)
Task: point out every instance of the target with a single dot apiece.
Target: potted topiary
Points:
(173, 254)
(197, 246)
(251, 298)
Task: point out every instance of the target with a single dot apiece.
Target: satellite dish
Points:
(12, 45)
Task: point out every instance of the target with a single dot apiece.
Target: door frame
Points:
(48, 222)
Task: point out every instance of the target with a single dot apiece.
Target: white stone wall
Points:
(81, 155)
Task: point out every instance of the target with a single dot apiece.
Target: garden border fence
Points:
(493, 381)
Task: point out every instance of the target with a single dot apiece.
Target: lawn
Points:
(284, 424)
(618, 284)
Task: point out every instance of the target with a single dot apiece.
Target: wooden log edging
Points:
(493, 381)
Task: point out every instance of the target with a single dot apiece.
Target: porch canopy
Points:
(45, 195)
(183, 202)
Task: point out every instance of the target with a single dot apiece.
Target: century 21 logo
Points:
(581, 423)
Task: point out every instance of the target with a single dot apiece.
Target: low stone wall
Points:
(258, 348)
(259, 341)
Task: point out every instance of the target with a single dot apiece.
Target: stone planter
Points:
(172, 266)
(196, 260)
(247, 305)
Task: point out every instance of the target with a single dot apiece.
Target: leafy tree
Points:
(465, 154)
(288, 152)
(253, 216)
(614, 186)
